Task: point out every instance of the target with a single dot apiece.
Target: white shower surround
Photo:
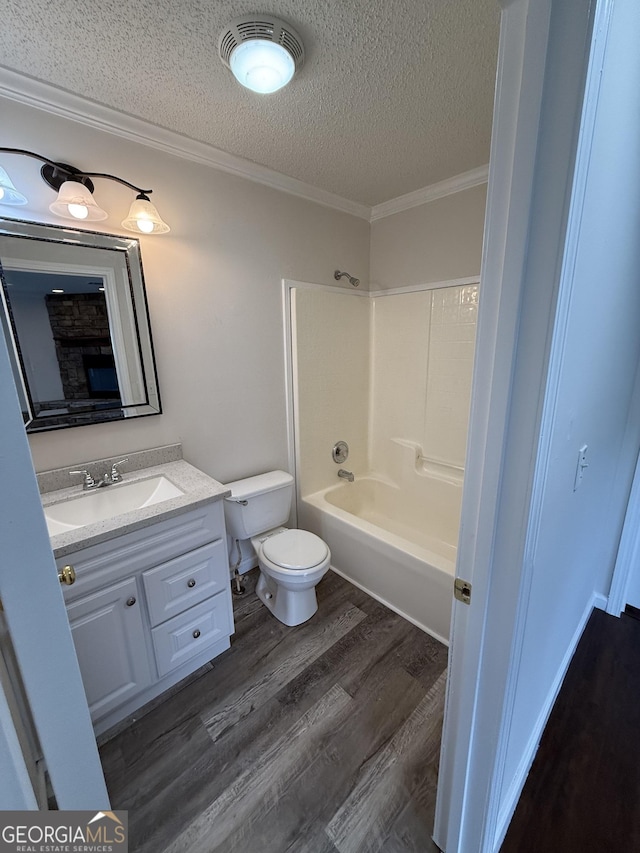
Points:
(397, 540)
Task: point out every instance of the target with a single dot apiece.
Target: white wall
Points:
(214, 290)
(575, 535)
(437, 241)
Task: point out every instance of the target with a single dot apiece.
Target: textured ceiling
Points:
(394, 94)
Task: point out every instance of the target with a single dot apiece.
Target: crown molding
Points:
(464, 181)
(60, 102)
(56, 101)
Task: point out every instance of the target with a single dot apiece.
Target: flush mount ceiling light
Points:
(75, 195)
(262, 51)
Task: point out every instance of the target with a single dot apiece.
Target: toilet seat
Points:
(295, 550)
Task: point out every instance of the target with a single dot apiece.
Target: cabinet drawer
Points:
(189, 634)
(184, 581)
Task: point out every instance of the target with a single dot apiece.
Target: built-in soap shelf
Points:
(426, 466)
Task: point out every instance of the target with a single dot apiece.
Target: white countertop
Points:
(198, 487)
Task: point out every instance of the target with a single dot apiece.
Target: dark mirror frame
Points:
(133, 308)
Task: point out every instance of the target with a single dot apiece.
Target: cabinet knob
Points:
(131, 601)
(191, 583)
(67, 575)
(196, 634)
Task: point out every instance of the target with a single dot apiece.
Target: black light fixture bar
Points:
(55, 174)
(77, 202)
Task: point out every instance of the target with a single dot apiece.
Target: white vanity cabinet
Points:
(108, 632)
(148, 608)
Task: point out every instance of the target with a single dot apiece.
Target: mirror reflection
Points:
(75, 319)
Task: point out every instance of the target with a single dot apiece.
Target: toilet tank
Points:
(268, 503)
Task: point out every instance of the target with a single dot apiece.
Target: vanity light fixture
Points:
(262, 51)
(75, 195)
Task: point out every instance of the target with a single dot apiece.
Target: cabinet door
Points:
(108, 633)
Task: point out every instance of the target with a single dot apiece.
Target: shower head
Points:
(353, 281)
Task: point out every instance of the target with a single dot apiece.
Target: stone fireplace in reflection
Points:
(80, 327)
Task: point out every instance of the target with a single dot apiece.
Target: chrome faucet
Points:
(115, 476)
(346, 475)
(89, 483)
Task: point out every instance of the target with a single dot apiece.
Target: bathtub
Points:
(398, 546)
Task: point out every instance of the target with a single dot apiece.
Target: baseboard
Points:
(600, 602)
(515, 788)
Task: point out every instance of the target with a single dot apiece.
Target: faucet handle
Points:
(116, 476)
(89, 482)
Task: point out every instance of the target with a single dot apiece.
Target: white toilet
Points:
(292, 562)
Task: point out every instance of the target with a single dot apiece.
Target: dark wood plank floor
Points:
(314, 739)
(583, 791)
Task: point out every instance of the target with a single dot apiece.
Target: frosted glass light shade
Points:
(143, 218)
(75, 201)
(262, 66)
(8, 193)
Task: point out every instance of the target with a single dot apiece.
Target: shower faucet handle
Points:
(340, 452)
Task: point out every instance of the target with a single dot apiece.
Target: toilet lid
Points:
(295, 549)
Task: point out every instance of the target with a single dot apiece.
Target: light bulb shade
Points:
(262, 66)
(143, 218)
(75, 201)
(262, 51)
(8, 193)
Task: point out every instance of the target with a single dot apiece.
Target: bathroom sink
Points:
(108, 502)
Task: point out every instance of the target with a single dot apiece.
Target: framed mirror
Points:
(75, 317)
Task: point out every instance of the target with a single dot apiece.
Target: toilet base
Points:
(290, 606)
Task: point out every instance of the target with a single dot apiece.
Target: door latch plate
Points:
(462, 590)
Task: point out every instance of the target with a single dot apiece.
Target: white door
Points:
(544, 49)
(38, 624)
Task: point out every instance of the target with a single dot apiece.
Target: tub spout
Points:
(346, 475)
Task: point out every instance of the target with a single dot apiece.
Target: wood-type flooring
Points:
(322, 738)
(583, 792)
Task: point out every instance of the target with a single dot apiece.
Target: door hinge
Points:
(462, 590)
